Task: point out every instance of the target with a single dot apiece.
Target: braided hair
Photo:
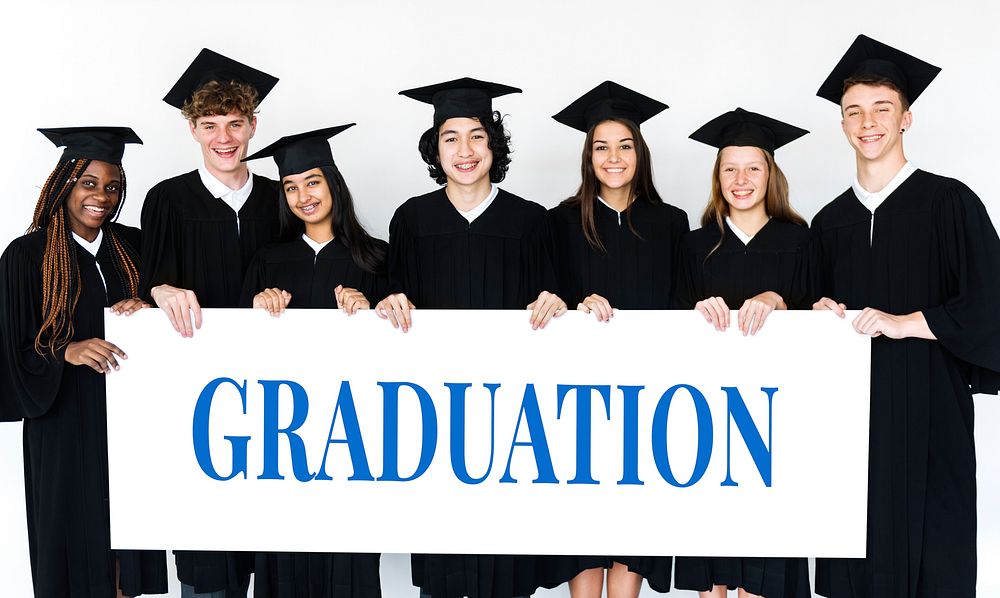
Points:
(60, 272)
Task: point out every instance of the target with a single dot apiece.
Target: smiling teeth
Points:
(225, 151)
(871, 138)
(94, 209)
(615, 170)
(465, 166)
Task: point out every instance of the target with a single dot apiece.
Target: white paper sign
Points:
(653, 434)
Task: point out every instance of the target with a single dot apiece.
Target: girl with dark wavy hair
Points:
(614, 244)
(324, 259)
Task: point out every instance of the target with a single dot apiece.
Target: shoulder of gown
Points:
(29, 382)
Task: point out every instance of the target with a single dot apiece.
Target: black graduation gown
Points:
(191, 241)
(442, 261)
(778, 258)
(498, 261)
(634, 272)
(311, 279)
(933, 249)
(65, 431)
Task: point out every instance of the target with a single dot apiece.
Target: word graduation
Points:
(529, 416)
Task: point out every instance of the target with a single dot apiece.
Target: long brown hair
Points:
(776, 202)
(640, 187)
(60, 272)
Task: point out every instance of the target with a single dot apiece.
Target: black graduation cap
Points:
(606, 101)
(743, 128)
(106, 144)
(465, 97)
(212, 66)
(867, 56)
(298, 153)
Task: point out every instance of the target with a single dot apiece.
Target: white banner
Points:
(653, 434)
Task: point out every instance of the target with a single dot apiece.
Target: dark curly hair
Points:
(498, 141)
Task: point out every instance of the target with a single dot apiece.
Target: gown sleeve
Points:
(254, 281)
(679, 230)
(688, 289)
(802, 292)
(30, 381)
(967, 324)
(378, 285)
(539, 275)
(401, 259)
(160, 259)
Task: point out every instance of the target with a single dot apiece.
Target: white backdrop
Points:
(70, 63)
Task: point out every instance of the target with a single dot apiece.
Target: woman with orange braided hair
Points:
(55, 283)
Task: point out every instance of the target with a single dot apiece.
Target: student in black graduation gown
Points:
(469, 245)
(918, 254)
(752, 253)
(614, 245)
(200, 231)
(202, 228)
(325, 259)
(55, 284)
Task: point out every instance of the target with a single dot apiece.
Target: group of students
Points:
(917, 252)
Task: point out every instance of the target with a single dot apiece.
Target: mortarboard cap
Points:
(606, 101)
(295, 154)
(106, 144)
(867, 56)
(465, 97)
(212, 66)
(742, 128)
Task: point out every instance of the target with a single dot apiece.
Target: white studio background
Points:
(109, 63)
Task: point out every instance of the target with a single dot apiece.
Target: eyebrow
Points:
(619, 141)
(312, 176)
(454, 132)
(751, 163)
(846, 108)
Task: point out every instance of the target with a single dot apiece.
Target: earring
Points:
(902, 130)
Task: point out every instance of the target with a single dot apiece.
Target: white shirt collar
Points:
(477, 211)
(316, 246)
(92, 247)
(872, 200)
(742, 236)
(234, 198)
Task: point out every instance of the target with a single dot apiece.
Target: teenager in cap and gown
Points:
(325, 259)
(200, 231)
(469, 245)
(56, 283)
(614, 245)
(918, 254)
(202, 228)
(753, 253)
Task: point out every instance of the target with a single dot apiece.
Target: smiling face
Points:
(613, 156)
(743, 178)
(94, 197)
(873, 121)
(311, 201)
(464, 152)
(224, 140)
